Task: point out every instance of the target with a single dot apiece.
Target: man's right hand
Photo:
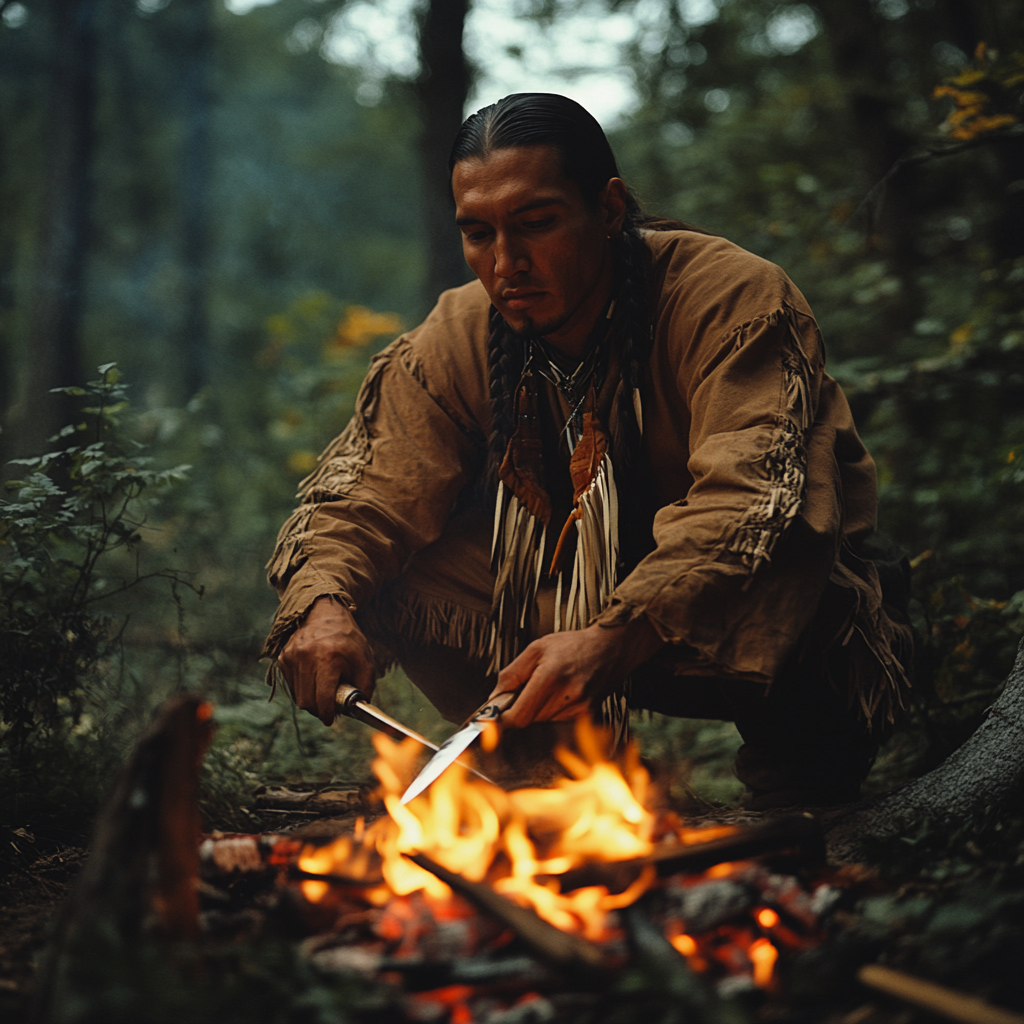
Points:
(327, 649)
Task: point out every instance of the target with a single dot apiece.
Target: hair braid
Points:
(502, 351)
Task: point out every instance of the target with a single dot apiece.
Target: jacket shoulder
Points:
(447, 354)
(709, 278)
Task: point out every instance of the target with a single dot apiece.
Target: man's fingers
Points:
(326, 687)
(530, 705)
(365, 676)
(515, 674)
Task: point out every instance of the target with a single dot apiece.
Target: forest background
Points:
(239, 204)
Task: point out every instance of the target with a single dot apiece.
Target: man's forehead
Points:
(514, 178)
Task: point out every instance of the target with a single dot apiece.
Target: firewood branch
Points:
(554, 947)
(936, 998)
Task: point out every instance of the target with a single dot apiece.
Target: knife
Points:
(352, 703)
(452, 747)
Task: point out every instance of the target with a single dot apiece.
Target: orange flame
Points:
(518, 841)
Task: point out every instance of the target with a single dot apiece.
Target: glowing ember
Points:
(763, 956)
(767, 918)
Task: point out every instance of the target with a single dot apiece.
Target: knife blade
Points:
(457, 743)
(352, 703)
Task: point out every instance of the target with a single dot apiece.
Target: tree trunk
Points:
(856, 38)
(441, 91)
(52, 358)
(986, 772)
(195, 68)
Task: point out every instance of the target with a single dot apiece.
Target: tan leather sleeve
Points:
(740, 563)
(387, 485)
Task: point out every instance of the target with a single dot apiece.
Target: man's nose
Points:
(510, 256)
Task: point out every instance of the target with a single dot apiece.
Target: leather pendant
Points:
(522, 468)
(583, 468)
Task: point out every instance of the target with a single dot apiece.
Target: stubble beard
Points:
(529, 328)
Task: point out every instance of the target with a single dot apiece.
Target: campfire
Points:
(469, 903)
(522, 886)
(588, 901)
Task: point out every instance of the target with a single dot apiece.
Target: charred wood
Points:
(559, 949)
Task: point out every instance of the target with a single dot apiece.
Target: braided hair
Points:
(546, 119)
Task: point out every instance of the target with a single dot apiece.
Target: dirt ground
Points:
(31, 894)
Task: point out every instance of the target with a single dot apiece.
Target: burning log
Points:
(555, 947)
(936, 998)
(796, 835)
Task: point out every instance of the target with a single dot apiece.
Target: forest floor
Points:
(937, 906)
(33, 888)
(944, 904)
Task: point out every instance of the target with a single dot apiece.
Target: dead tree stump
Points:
(140, 877)
(986, 772)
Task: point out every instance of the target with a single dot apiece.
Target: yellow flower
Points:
(359, 326)
(962, 334)
(301, 461)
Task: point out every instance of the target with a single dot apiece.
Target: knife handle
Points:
(345, 696)
(493, 709)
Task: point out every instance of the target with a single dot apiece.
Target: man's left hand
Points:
(563, 675)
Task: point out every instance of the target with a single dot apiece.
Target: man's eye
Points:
(539, 222)
(475, 236)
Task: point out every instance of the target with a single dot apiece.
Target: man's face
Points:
(542, 253)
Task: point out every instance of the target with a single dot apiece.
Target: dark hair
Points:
(547, 119)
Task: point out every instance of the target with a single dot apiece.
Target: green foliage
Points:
(78, 505)
(69, 544)
(944, 418)
(313, 364)
(956, 917)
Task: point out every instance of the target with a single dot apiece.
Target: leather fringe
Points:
(517, 553)
(785, 464)
(597, 552)
(418, 619)
(869, 658)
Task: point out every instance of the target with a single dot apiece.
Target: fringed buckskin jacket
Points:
(738, 525)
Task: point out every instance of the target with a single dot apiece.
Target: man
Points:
(662, 394)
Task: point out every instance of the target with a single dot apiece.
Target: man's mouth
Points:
(519, 299)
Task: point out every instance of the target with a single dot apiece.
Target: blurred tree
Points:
(441, 91)
(61, 236)
(855, 31)
(194, 59)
